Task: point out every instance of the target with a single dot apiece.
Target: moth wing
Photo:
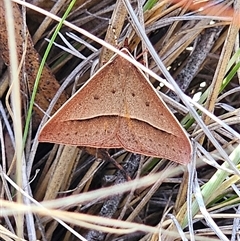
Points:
(80, 120)
(139, 137)
(146, 123)
(99, 132)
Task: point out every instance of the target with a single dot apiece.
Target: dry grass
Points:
(68, 194)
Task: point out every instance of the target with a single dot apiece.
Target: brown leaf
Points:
(48, 85)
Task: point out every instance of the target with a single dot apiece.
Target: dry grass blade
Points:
(223, 62)
(48, 84)
(72, 185)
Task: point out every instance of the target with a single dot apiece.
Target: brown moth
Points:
(118, 108)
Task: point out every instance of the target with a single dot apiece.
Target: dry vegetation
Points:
(74, 194)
